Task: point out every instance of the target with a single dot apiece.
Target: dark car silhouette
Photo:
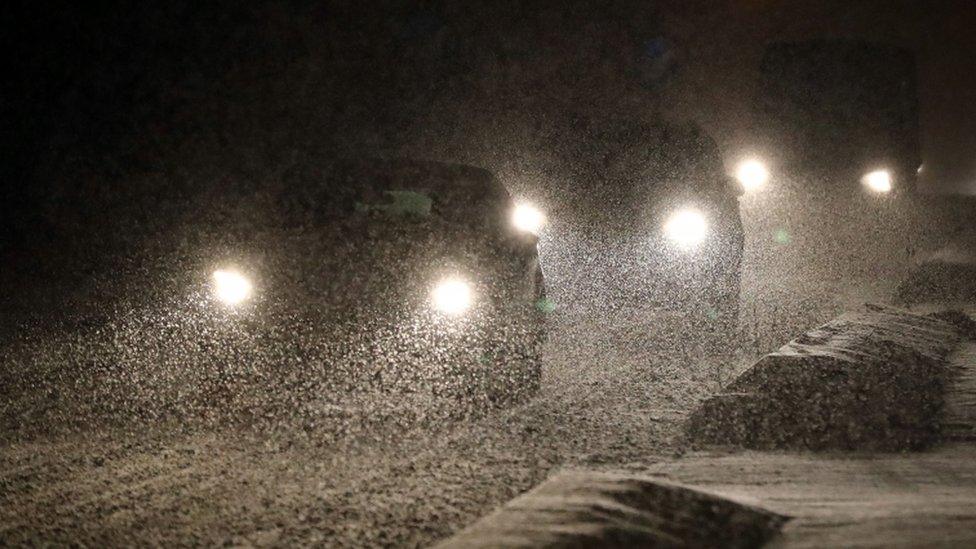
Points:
(337, 297)
(656, 219)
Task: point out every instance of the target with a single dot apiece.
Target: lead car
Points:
(344, 297)
(424, 261)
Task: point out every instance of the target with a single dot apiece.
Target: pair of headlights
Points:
(686, 227)
(753, 175)
(450, 296)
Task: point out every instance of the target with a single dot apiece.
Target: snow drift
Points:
(585, 509)
(870, 380)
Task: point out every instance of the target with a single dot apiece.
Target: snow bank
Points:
(871, 380)
(944, 278)
(585, 509)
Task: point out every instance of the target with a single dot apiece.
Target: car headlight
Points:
(878, 181)
(231, 287)
(528, 218)
(686, 228)
(752, 175)
(452, 296)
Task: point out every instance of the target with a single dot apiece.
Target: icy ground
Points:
(616, 390)
(214, 489)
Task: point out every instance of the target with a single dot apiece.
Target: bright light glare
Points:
(752, 174)
(686, 228)
(452, 296)
(231, 287)
(878, 181)
(528, 218)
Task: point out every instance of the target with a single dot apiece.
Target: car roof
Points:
(357, 175)
(457, 193)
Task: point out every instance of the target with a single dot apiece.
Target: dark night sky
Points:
(108, 84)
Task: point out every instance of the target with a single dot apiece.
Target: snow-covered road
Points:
(616, 392)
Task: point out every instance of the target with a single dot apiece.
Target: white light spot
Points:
(231, 287)
(528, 218)
(452, 296)
(878, 181)
(752, 175)
(686, 228)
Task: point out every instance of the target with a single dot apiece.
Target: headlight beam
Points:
(452, 296)
(686, 228)
(231, 287)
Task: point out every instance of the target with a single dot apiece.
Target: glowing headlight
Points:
(528, 218)
(452, 296)
(878, 181)
(231, 287)
(686, 228)
(752, 175)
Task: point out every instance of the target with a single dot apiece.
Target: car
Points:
(840, 116)
(342, 296)
(657, 221)
(439, 247)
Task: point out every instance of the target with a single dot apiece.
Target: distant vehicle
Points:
(841, 112)
(660, 222)
(341, 294)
